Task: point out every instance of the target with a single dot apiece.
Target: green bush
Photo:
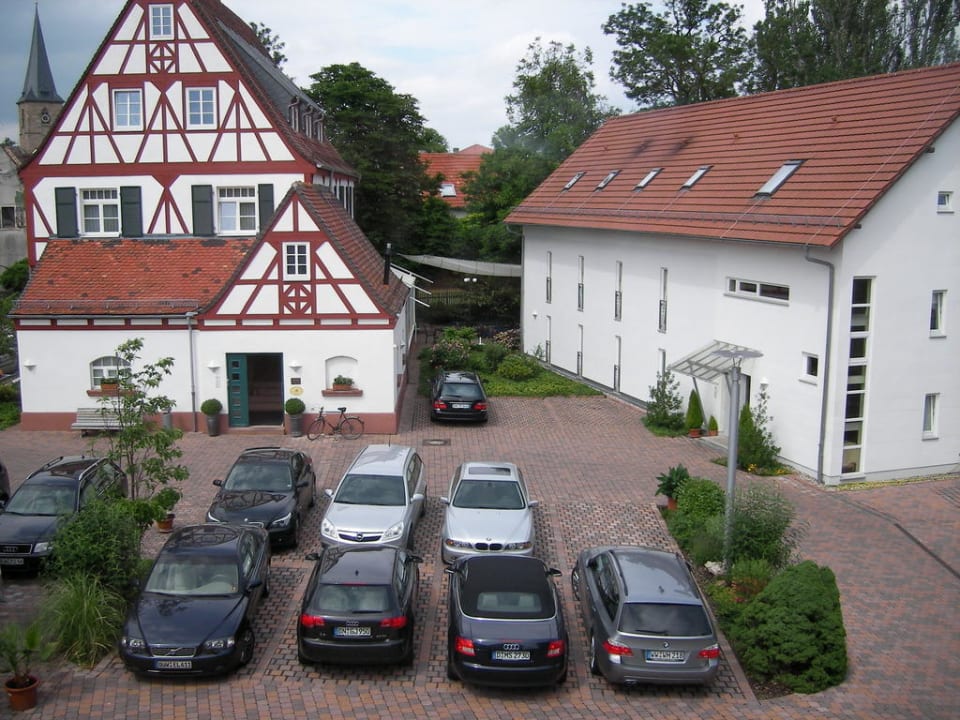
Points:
(755, 447)
(510, 339)
(698, 499)
(694, 415)
(449, 354)
(211, 406)
(9, 393)
(707, 539)
(792, 632)
(761, 521)
(85, 616)
(294, 406)
(726, 606)
(519, 367)
(669, 483)
(750, 576)
(493, 354)
(463, 334)
(664, 408)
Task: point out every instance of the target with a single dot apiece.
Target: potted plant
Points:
(294, 407)
(211, 408)
(163, 502)
(18, 647)
(342, 382)
(669, 483)
(712, 427)
(694, 414)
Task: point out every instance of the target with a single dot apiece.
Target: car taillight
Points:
(394, 622)
(480, 406)
(556, 648)
(439, 405)
(464, 646)
(615, 649)
(710, 653)
(311, 621)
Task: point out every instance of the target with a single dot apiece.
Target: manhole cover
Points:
(437, 441)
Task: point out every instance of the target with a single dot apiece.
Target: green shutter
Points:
(265, 199)
(66, 199)
(131, 215)
(202, 209)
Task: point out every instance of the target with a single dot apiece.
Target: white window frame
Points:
(235, 204)
(204, 99)
(580, 285)
(549, 283)
(931, 401)
(448, 189)
(757, 290)
(810, 372)
(127, 115)
(104, 367)
(945, 201)
(103, 218)
(296, 261)
(937, 306)
(161, 22)
(618, 290)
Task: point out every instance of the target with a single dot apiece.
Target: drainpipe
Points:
(828, 353)
(193, 373)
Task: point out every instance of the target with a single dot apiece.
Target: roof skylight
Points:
(779, 177)
(698, 173)
(606, 181)
(573, 180)
(646, 180)
(448, 189)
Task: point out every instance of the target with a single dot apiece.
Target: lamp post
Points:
(736, 356)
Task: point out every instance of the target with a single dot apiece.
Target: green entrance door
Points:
(238, 395)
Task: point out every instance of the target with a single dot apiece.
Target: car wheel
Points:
(451, 670)
(313, 494)
(295, 533)
(563, 678)
(266, 586)
(303, 659)
(246, 641)
(407, 657)
(594, 666)
(575, 583)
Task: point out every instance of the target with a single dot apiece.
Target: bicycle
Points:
(346, 426)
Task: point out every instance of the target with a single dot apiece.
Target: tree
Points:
(857, 37)
(554, 107)
(927, 31)
(694, 51)
(789, 50)
(380, 132)
(433, 141)
(145, 450)
(12, 281)
(271, 43)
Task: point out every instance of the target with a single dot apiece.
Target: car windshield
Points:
(269, 477)
(489, 494)
(194, 576)
(664, 619)
(339, 599)
(42, 499)
(461, 391)
(371, 490)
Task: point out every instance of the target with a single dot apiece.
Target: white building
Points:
(817, 226)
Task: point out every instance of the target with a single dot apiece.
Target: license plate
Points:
(350, 631)
(461, 406)
(672, 656)
(11, 561)
(511, 655)
(174, 664)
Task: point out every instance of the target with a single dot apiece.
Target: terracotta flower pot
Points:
(22, 698)
(165, 525)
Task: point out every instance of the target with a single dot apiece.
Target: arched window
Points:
(105, 367)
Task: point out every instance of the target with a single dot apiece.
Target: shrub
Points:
(449, 354)
(792, 632)
(749, 576)
(761, 520)
(698, 499)
(669, 483)
(509, 339)
(294, 406)
(463, 334)
(518, 367)
(85, 615)
(694, 416)
(211, 406)
(10, 392)
(707, 539)
(755, 446)
(663, 410)
(493, 355)
(726, 606)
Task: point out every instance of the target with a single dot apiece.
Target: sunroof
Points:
(606, 181)
(573, 180)
(699, 173)
(779, 177)
(647, 179)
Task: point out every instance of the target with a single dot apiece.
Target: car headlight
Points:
(282, 522)
(219, 644)
(393, 532)
(43, 547)
(518, 546)
(211, 517)
(328, 529)
(460, 544)
(135, 644)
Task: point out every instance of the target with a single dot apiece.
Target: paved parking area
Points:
(593, 467)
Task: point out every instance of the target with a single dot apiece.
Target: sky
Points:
(458, 58)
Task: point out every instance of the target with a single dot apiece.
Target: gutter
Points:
(828, 348)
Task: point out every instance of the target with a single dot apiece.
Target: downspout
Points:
(193, 372)
(828, 354)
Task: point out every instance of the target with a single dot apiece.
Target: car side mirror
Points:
(533, 503)
(329, 492)
(254, 584)
(312, 556)
(218, 482)
(303, 483)
(416, 497)
(444, 501)
(553, 572)
(414, 559)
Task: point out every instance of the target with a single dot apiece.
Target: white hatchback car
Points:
(488, 511)
(379, 499)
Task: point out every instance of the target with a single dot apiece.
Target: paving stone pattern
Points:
(593, 467)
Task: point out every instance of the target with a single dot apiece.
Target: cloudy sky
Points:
(457, 58)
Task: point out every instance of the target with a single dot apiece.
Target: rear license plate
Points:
(461, 406)
(349, 631)
(670, 656)
(174, 664)
(511, 655)
(11, 561)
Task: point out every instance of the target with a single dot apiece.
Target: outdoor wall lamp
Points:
(213, 365)
(295, 365)
(29, 364)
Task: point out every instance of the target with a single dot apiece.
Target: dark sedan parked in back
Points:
(269, 486)
(194, 615)
(458, 395)
(359, 606)
(506, 622)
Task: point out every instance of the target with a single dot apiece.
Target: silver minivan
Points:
(379, 499)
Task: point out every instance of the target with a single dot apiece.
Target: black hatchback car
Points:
(269, 486)
(194, 615)
(506, 622)
(60, 488)
(458, 395)
(359, 606)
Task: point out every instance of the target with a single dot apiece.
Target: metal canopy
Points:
(712, 361)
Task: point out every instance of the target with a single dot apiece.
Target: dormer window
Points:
(573, 181)
(161, 22)
(779, 178)
(606, 181)
(699, 173)
(647, 179)
(448, 189)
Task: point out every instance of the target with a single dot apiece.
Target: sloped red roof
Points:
(453, 166)
(855, 138)
(353, 247)
(130, 277)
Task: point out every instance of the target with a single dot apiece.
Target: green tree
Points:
(857, 37)
(505, 177)
(694, 51)
(145, 450)
(12, 281)
(380, 132)
(789, 50)
(433, 141)
(554, 107)
(271, 43)
(928, 32)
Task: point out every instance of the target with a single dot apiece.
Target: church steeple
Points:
(39, 103)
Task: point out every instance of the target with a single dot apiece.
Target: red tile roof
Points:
(855, 138)
(453, 166)
(130, 277)
(353, 247)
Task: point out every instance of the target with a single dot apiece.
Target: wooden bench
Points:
(96, 418)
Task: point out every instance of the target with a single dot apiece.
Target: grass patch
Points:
(9, 414)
